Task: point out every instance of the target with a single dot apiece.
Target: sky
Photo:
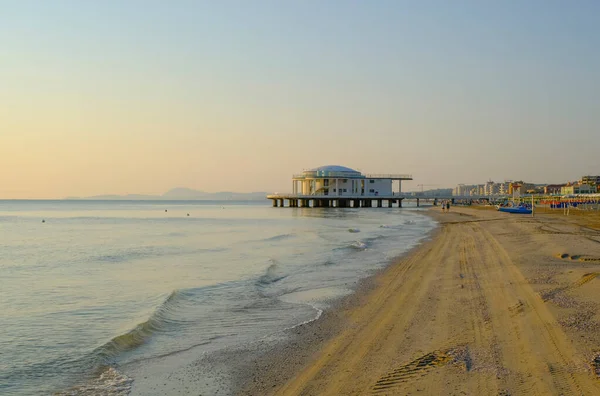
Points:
(140, 96)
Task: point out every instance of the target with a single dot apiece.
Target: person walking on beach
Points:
(443, 206)
(448, 206)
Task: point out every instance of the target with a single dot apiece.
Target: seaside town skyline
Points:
(587, 184)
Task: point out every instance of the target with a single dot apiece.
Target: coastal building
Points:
(493, 189)
(592, 180)
(468, 190)
(340, 181)
(503, 188)
(539, 189)
(578, 188)
(339, 186)
(553, 189)
(490, 188)
(461, 190)
(527, 188)
(519, 188)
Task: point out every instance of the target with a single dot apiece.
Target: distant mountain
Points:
(183, 193)
(190, 194)
(120, 197)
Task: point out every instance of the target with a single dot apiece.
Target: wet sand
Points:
(493, 304)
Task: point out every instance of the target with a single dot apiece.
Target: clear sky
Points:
(116, 97)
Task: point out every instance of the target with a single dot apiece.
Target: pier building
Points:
(339, 186)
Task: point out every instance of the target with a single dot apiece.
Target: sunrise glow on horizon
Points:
(139, 97)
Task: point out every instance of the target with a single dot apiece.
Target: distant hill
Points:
(184, 193)
(121, 197)
(187, 194)
(191, 194)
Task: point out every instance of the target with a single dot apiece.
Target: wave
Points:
(159, 321)
(359, 245)
(149, 251)
(356, 245)
(391, 227)
(410, 222)
(272, 274)
(109, 381)
(106, 358)
(316, 317)
(166, 318)
(278, 237)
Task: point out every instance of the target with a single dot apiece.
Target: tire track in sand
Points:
(533, 346)
(550, 294)
(416, 368)
(450, 344)
(483, 338)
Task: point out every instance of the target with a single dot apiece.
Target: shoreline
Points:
(226, 371)
(488, 303)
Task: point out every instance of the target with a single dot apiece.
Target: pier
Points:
(362, 201)
(328, 201)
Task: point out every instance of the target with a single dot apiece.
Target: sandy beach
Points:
(492, 304)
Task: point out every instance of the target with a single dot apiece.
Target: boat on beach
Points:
(515, 209)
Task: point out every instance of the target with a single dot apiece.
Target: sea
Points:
(91, 288)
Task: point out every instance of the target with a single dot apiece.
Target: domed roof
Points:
(333, 168)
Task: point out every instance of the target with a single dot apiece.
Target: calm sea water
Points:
(101, 284)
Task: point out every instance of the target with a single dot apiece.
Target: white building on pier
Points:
(335, 185)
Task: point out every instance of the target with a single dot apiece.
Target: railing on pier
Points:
(392, 195)
(328, 175)
(394, 176)
(345, 175)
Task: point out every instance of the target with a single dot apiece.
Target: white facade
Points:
(490, 188)
(334, 180)
(503, 188)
